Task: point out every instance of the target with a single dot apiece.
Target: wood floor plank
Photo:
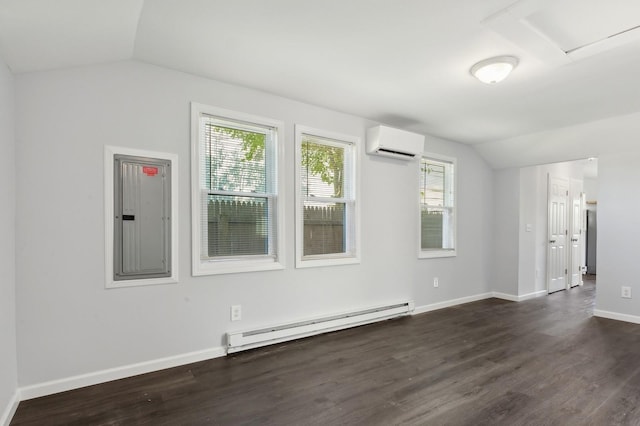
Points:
(546, 361)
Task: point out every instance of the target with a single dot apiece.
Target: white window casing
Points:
(327, 214)
(437, 211)
(231, 177)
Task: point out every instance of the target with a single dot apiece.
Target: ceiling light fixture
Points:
(494, 70)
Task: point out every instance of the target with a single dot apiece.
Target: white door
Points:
(576, 234)
(558, 190)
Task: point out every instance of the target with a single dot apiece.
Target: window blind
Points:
(327, 194)
(238, 181)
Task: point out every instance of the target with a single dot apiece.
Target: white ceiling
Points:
(405, 64)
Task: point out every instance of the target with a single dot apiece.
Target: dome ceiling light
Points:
(494, 70)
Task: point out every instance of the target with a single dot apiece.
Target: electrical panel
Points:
(142, 218)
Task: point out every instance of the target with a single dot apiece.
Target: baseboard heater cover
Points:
(249, 339)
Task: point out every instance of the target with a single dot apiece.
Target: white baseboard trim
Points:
(616, 316)
(505, 296)
(10, 410)
(474, 298)
(75, 382)
(450, 303)
(519, 298)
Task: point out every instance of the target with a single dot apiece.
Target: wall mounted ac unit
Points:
(395, 143)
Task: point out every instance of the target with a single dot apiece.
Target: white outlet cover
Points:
(236, 313)
(626, 292)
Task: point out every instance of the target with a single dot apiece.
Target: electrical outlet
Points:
(626, 292)
(236, 312)
(435, 282)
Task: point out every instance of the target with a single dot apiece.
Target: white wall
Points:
(68, 324)
(591, 192)
(8, 365)
(506, 184)
(528, 272)
(618, 234)
(592, 139)
(468, 273)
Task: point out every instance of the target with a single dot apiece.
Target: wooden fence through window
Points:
(241, 228)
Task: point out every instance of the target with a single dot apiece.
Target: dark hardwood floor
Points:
(545, 361)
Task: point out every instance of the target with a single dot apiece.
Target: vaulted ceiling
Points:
(405, 64)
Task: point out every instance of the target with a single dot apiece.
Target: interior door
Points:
(576, 234)
(558, 197)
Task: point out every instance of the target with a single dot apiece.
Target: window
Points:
(437, 207)
(235, 205)
(326, 205)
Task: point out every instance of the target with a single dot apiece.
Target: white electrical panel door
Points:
(142, 227)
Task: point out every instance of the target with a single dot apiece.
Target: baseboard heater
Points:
(243, 340)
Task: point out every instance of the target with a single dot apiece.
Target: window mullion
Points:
(325, 200)
(239, 194)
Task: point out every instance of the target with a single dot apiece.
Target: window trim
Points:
(229, 265)
(438, 253)
(336, 258)
(109, 160)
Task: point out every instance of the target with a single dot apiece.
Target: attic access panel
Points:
(559, 32)
(142, 222)
(574, 24)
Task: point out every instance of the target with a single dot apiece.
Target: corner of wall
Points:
(506, 186)
(10, 410)
(8, 343)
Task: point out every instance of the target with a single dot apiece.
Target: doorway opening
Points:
(571, 224)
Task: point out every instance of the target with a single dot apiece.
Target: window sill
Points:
(141, 282)
(312, 262)
(202, 268)
(433, 254)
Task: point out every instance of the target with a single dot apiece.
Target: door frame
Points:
(576, 195)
